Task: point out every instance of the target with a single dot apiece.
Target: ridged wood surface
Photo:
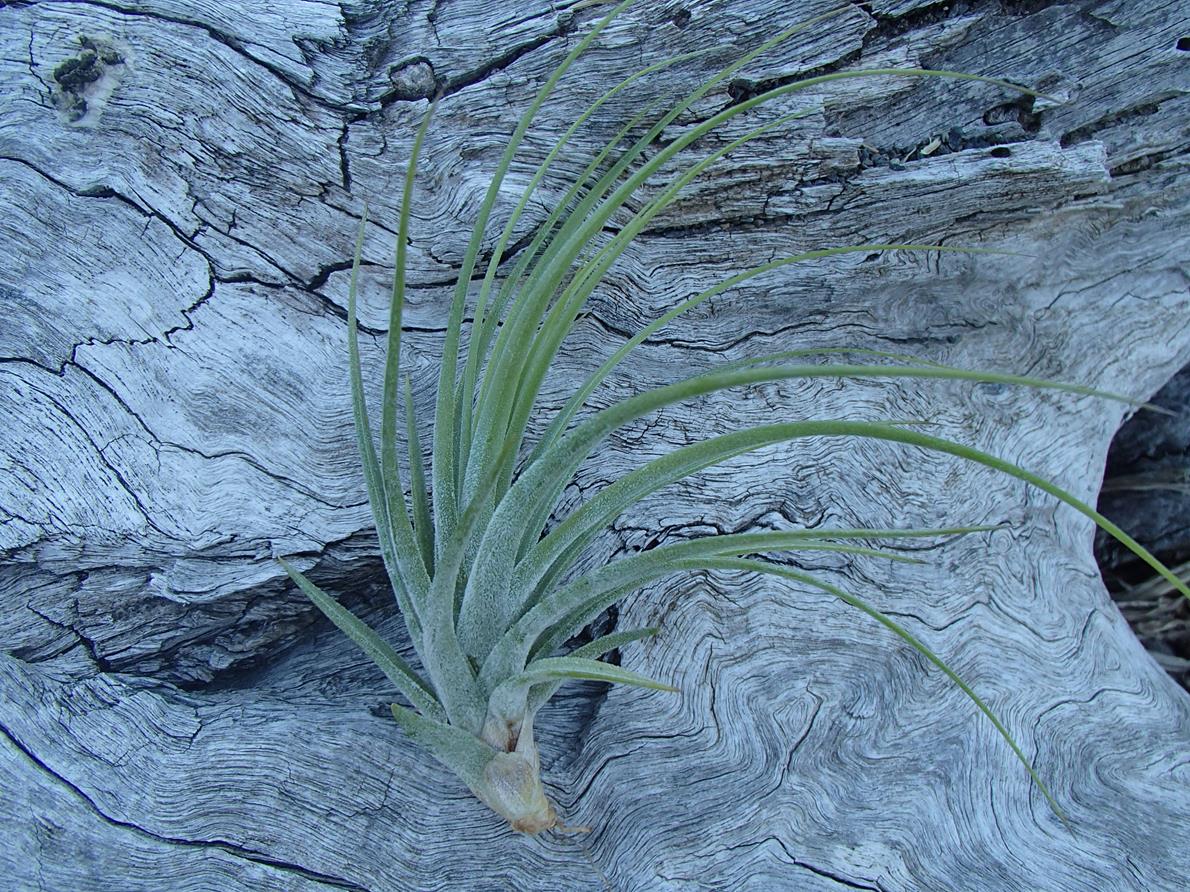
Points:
(176, 218)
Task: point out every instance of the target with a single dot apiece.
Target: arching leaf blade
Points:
(405, 543)
(546, 348)
(509, 652)
(446, 465)
(423, 523)
(907, 636)
(461, 752)
(408, 682)
(523, 503)
(540, 694)
(407, 585)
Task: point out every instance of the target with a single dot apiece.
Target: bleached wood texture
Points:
(177, 210)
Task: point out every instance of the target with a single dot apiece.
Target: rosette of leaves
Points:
(488, 600)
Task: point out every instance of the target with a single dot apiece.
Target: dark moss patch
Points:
(76, 75)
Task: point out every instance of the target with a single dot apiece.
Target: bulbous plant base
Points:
(511, 784)
(512, 788)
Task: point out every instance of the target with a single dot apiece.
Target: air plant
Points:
(488, 596)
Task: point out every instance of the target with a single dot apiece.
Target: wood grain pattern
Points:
(180, 185)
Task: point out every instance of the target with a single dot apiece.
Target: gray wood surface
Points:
(176, 212)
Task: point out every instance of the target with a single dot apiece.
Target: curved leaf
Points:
(396, 669)
(408, 586)
(563, 612)
(512, 380)
(758, 566)
(484, 323)
(491, 574)
(906, 635)
(506, 369)
(509, 701)
(446, 458)
(554, 668)
(540, 694)
(464, 754)
(507, 655)
(562, 419)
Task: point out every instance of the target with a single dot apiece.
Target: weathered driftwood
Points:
(178, 205)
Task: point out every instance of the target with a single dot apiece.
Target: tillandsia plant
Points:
(488, 595)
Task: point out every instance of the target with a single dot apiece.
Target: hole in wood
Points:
(1146, 487)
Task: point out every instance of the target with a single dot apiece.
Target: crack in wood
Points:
(231, 848)
(1128, 224)
(216, 35)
